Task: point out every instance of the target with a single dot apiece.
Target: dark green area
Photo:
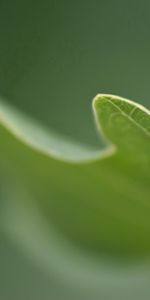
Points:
(55, 56)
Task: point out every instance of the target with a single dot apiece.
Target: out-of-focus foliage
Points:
(80, 214)
(54, 57)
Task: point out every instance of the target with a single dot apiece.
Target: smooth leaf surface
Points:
(81, 213)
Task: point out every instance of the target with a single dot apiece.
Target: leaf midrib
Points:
(129, 118)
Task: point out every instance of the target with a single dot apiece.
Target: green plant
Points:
(79, 212)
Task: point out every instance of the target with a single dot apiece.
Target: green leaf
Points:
(80, 212)
(126, 125)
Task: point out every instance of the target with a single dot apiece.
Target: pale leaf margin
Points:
(48, 142)
(39, 138)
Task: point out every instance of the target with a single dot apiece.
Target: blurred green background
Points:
(55, 56)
